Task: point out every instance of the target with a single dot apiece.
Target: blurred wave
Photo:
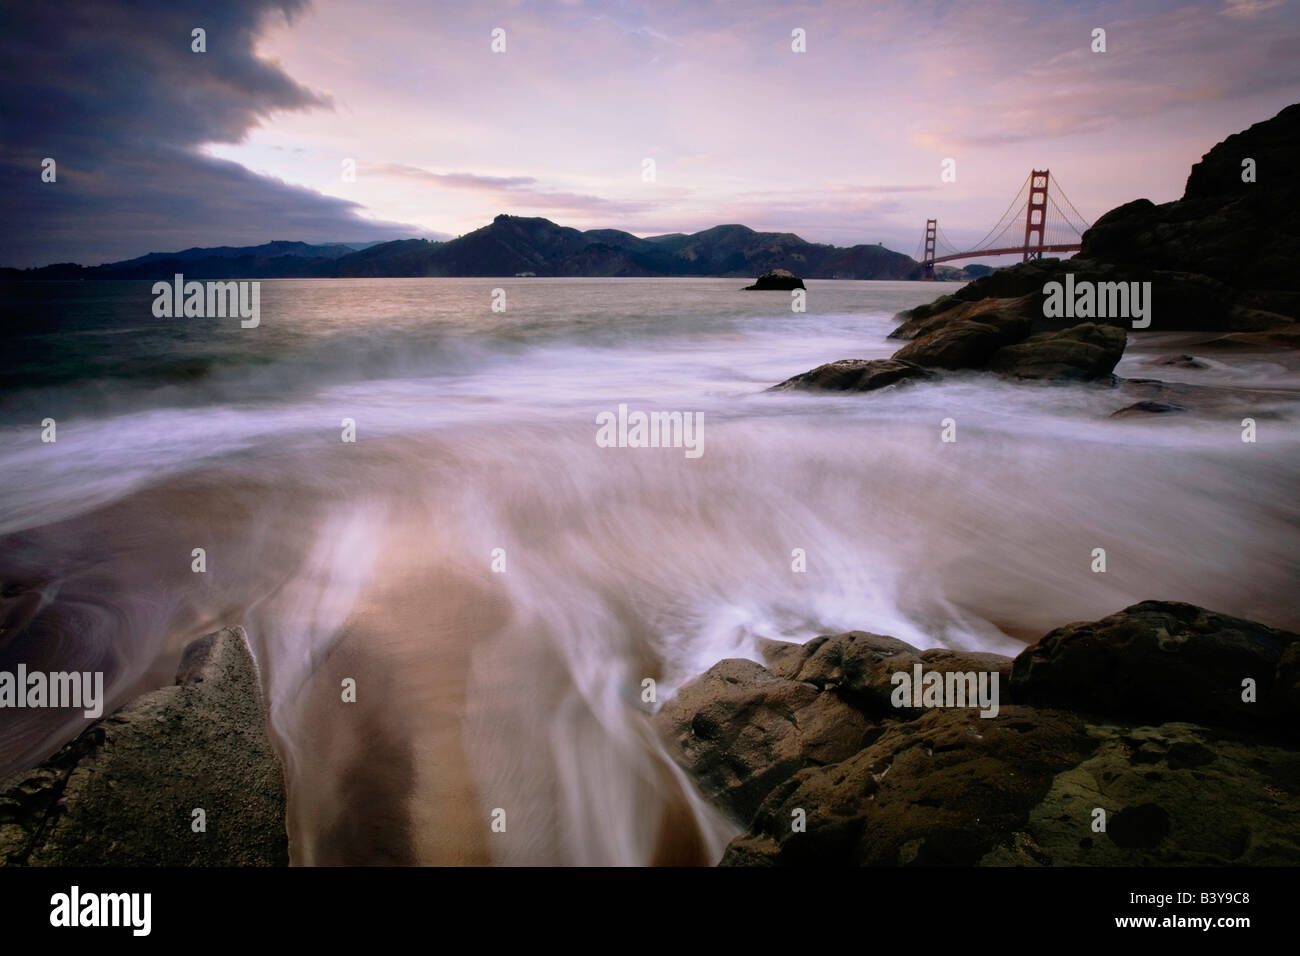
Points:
(521, 690)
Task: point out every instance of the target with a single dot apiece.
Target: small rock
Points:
(1155, 408)
(1180, 361)
(855, 375)
(777, 279)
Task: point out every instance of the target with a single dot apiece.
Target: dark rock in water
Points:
(740, 730)
(123, 793)
(777, 279)
(1179, 361)
(1082, 353)
(1148, 408)
(1285, 336)
(1158, 661)
(1225, 401)
(993, 336)
(854, 375)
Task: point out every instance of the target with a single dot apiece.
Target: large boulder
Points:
(965, 343)
(948, 310)
(1159, 661)
(1137, 715)
(1083, 352)
(992, 339)
(124, 792)
(943, 789)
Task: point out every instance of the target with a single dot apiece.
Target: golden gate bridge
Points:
(1043, 227)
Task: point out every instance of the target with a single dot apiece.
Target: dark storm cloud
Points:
(113, 93)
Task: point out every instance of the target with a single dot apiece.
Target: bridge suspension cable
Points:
(1033, 223)
(1000, 226)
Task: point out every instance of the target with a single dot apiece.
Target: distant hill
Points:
(270, 260)
(513, 244)
(966, 274)
(267, 250)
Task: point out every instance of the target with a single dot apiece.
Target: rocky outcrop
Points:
(1085, 352)
(1124, 741)
(1240, 233)
(969, 343)
(125, 792)
(1221, 258)
(999, 341)
(993, 341)
(943, 789)
(1013, 316)
(777, 279)
(1180, 300)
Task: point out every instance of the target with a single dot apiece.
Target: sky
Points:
(160, 148)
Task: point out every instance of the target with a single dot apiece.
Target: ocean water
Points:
(519, 688)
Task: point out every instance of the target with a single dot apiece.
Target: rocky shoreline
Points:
(127, 791)
(1220, 261)
(1126, 741)
(1164, 734)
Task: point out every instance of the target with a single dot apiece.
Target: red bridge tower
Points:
(1036, 213)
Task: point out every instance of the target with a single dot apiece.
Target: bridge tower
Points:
(1037, 204)
(927, 262)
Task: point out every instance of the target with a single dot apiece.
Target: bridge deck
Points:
(1009, 251)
